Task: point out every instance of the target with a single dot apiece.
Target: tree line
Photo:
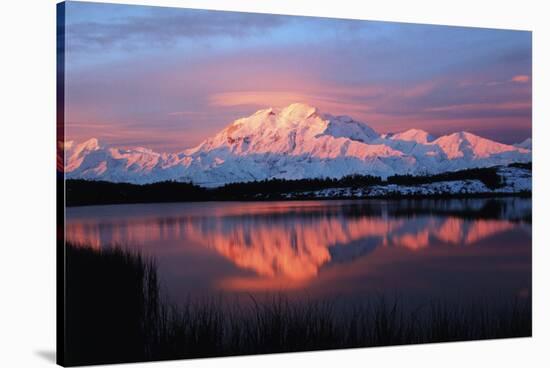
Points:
(86, 192)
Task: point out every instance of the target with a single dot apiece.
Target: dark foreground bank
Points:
(116, 313)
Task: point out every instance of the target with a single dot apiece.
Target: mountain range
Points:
(294, 142)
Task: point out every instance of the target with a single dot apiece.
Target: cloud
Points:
(191, 72)
(482, 107)
(520, 78)
(163, 26)
(257, 98)
(263, 99)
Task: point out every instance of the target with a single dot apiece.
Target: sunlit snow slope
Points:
(295, 142)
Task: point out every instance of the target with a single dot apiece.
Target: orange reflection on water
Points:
(292, 250)
(484, 229)
(414, 241)
(124, 233)
(282, 245)
(452, 230)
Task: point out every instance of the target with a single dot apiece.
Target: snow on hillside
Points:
(516, 180)
(294, 142)
(413, 135)
(527, 144)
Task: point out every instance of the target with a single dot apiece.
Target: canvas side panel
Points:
(60, 185)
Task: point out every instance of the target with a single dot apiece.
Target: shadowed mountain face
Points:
(295, 142)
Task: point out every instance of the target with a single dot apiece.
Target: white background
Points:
(27, 182)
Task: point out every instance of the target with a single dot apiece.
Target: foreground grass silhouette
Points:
(115, 313)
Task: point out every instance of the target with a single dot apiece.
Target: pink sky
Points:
(167, 78)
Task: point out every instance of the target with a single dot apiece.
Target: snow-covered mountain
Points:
(527, 144)
(295, 142)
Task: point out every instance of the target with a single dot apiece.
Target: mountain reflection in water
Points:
(316, 244)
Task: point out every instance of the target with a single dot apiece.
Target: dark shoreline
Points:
(333, 198)
(79, 192)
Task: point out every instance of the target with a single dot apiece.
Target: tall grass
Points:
(111, 303)
(115, 313)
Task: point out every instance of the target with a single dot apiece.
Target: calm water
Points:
(322, 249)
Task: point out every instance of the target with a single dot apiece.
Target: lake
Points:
(457, 249)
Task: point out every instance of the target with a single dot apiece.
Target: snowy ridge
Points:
(515, 180)
(413, 135)
(294, 142)
(527, 144)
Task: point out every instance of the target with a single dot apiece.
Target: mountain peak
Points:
(464, 134)
(416, 131)
(91, 144)
(293, 142)
(459, 144)
(299, 111)
(526, 144)
(415, 135)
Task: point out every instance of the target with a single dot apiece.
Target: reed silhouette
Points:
(109, 295)
(115, 313)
